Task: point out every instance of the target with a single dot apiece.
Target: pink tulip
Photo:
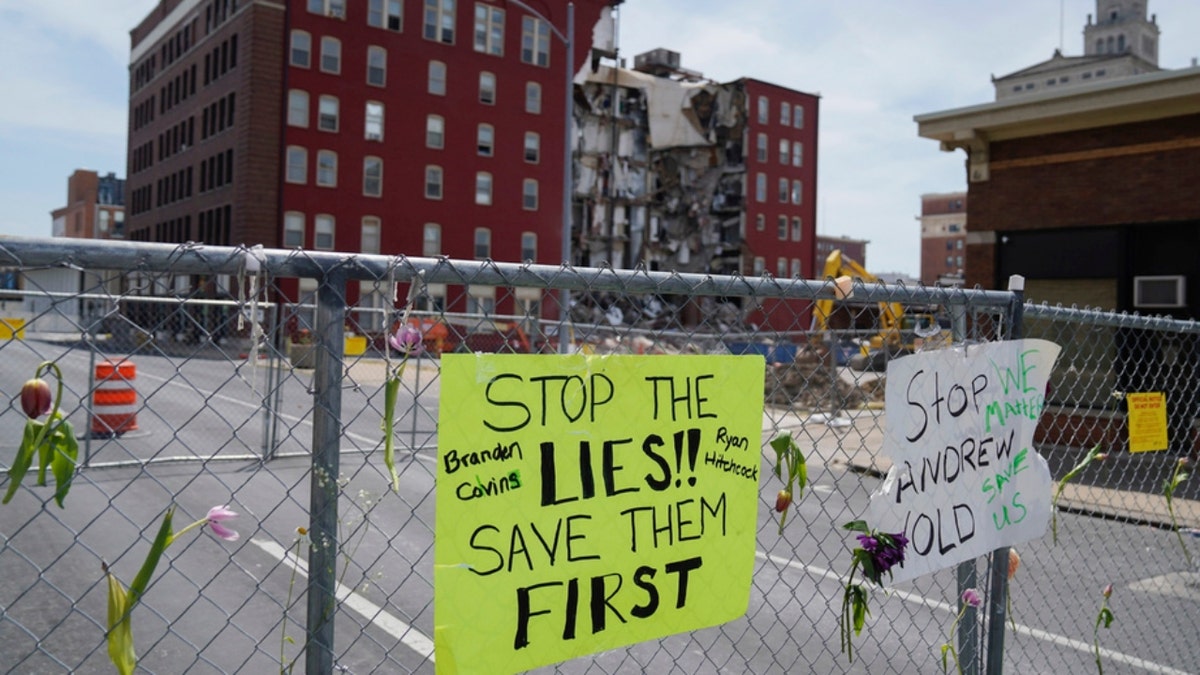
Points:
(1108, 591)
(406, 340)
(217, 515)
(971, 597)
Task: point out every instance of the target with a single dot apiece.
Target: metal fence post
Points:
(998, 584)
(967, 575)
(323, 504)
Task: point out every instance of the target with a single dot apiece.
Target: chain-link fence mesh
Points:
(258, 382)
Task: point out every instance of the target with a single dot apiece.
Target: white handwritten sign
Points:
(965, 477)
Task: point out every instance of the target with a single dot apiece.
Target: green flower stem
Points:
(284, 665)
(1105, 617)
(949, 646)
(1177, 477)
(1087, 459)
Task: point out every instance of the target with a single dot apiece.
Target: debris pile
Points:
(811, 382)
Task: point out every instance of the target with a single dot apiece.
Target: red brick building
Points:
(943, 238)
(95, 207)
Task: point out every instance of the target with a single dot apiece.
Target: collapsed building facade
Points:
(676, 172)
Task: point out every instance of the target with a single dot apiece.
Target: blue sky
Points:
(875, 63)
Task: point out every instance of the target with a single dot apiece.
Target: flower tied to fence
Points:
(1179, 474)
(53, 441)
(788, 454)
(1092, 455)
(121, 600)
(877, 554)
(970, 599)
(1104, 618)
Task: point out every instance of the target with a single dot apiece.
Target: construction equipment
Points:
(900, 330)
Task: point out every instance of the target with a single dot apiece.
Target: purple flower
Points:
(971, 597)
(406, 340)
(885, 551)
(217, 515)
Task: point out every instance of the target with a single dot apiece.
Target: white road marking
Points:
(1036, 633)
(405, 633)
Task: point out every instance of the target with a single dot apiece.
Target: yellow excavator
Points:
(899, 330)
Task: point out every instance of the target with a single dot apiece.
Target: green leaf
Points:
(22, 460)
(1106, 616)
(391, 391)
(66, 453)
(781, 445)
(859, 602)
(945, 650)
(43, 451)
(161, 541)
(857, 526)
(120, 628)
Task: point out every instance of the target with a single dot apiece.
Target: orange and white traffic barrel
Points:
(114, 400)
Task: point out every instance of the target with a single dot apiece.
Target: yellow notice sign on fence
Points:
(1147, 421)
(590, 502)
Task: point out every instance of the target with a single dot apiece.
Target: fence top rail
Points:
(192, 258)
(1110, 319)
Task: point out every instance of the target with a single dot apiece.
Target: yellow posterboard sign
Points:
(589, 502)
(1147, 421)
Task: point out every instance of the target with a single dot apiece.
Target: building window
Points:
(487, 88)
(798, 117)
(797, 192)
(529, 195)
(535, 41)
(483, 243)
(327, 168)
(760, 187)
(431, 242)
(796, 268)
(293, 230)
(781, 266)
(385, 14)
(297, 115)
(533, 144)
(489, 29)
(485, 138)
(373, 177)
(764, 110)
(797, 228)
(301, 49)
(533, 98)
(785, 113)
(369, 241)
(297, 164)
(437, 78)
(327, 114)
(781, 229)
(433, 182)
(760, 266)
(435, 132)
(376, 66)
(760, 222)
(331, 55)
(783, 190)
(483, 188)
(797, 154)
(528, 247)
(373, 124)
(481, 301)
(323, 232)
(333, 8)
(439, 21)
(761, 148)
(784, 151)
(958, 244)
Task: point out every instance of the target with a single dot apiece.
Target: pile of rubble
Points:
(812, 382)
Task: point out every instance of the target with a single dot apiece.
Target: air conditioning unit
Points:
(1160, 291)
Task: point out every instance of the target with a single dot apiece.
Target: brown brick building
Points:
(95, 207)
(943, 238)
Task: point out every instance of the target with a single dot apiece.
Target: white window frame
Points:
(487, 87)
(797, 154)
(386, 11)
(489, 29)
(295, 49)
(437, 78)
(372, 176)
(785, 113)
(482, 239)
(764, 110)
(760, 147)
(797, 228)
(435, 132)
(298, 103)
(324, 232)
(293, 229)
(760, 187)
(533, 98)
(529, 194)
(781, 227)
(484, 186)
(435, 182)
(377, 63)
(439, 21)
(783, 190)
(529, 247)
(327, 162)
(297, 164)
(533, 147)
(485, 140)
(324, 116)
(785, 151)
(431, 240)
(373, 121)
(372, 230)
(798, 116)
(797, 192)
(535, 41)
(331, 55)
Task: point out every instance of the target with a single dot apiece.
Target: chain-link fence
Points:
(257, 382)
